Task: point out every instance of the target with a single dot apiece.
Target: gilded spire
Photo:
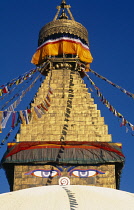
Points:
(63, 3)
(63, 8)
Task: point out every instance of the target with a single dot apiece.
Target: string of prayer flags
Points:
(11, 108)
(6, 88)
(17, 94)
(36, 112)
(108, 81)
(23, 93)
(7, 136)
(9, 92)
(109, 106)
(11, 130)
(25, 116)
(44, 106)
(19, 78)
(113, 84)
(41, 109)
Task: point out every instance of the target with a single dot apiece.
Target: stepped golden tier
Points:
(71, 106)
(66, 141)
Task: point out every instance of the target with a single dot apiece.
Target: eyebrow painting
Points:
(71, 172)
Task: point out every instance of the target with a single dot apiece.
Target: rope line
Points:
(108, 81)
(109, 106)
(6, 89)
(72, 199)
(65, 126)
(16, 94)
(18, 118)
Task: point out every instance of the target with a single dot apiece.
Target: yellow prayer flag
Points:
(22, 118)
(1, 93)
(34, 116)
(1, 117)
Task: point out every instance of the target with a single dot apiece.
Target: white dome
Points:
(67, 197)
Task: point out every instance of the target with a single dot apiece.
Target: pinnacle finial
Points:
(63, 3)
(63, 6)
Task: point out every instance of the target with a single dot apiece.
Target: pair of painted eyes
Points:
(52, 173)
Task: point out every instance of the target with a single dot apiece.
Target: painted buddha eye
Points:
(44, 173)
(84, 173)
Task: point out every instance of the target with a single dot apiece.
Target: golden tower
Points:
(66, 141)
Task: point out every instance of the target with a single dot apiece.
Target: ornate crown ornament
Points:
(63, 24)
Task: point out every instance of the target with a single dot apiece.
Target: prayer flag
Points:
(39, 115)
(50, 90)
(44, 107)
(1, 92)
(29, 112)
(48, 97)
(1, 117)
(5, 90)
(13, 119)
(22, 118)
(47, 102)
(40, 109)
(6, 115)
(34, 114)
(26, 116)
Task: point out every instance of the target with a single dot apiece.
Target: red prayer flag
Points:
(5, 90)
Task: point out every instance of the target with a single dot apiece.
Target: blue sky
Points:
(111, 35)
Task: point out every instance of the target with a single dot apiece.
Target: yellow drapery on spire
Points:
(59, 47)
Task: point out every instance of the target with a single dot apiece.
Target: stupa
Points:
(66, 141)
